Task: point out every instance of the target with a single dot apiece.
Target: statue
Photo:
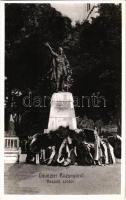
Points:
(60, 72)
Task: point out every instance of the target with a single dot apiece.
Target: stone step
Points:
(11, 157)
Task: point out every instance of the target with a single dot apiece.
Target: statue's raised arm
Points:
(51, 50)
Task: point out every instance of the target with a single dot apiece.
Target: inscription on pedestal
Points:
(62, 111)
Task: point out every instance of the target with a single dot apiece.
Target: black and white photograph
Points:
(63, 74)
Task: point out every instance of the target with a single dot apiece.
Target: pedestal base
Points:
(62, 111)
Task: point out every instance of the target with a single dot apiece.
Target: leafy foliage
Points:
(93, 50)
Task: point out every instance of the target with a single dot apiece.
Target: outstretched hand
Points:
(50, 48)
(46, 44)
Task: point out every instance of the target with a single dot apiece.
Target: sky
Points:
(71, 10)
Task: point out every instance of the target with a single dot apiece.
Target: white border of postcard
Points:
(56, 197)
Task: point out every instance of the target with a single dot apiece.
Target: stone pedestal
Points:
(62, 111)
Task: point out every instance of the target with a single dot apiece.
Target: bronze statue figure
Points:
(59, 71)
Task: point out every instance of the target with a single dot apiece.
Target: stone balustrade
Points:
(11, 143)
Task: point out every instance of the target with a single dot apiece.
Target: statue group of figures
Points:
(66, 147)
(60, 71)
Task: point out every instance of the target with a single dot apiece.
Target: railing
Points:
(11, 143)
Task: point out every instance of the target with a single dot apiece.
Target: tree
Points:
(27, 28)
(93, 50)
(99, 58)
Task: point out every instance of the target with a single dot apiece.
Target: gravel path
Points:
(37, 179)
